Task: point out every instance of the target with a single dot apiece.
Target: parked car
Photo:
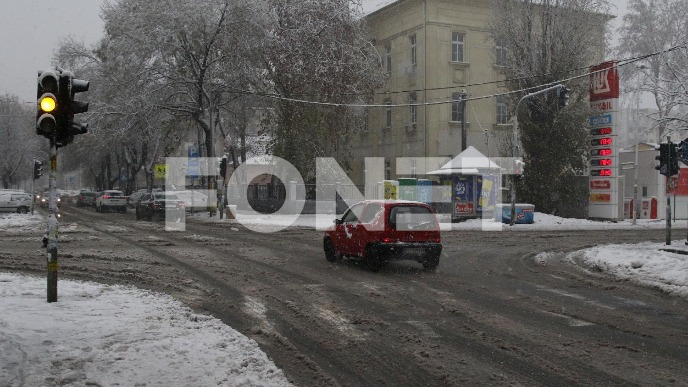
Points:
(86, 199)
(134, 198)
(111, 199)
(379, 231)
(14, 201)
(193, 200)
(157, 204)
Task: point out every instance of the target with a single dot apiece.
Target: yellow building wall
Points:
(433, 80)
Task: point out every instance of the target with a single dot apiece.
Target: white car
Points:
(193, 200)
(111, 199)
(18, 202)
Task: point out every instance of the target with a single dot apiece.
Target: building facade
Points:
(434, 52)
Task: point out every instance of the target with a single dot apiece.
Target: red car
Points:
(384, 230)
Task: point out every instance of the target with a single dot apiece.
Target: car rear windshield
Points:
(412, 218)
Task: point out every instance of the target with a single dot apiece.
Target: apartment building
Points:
(433, 51)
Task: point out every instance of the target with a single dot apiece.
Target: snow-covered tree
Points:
(316, 50)
(549, 41)
(18, 143)
(658, 27)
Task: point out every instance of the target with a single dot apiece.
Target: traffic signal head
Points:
(67, 128)
(223, 167)
(520, 167)
(673, 159)
(563, 96)
(37, 169)
(663, 158)
(48, 106)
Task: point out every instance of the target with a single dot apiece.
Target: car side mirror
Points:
(338, 221)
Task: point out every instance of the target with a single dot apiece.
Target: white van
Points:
(15, 201)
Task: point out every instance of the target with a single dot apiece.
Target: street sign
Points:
(159, 171)
(194, 169)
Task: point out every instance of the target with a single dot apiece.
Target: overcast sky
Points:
(30, 30)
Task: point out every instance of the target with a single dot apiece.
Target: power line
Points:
(388, 105)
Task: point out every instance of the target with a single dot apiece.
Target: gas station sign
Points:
(604, 145)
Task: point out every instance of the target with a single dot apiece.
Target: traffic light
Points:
(520, 167)
(563, 96)
(37, 169)
(663, 158)
(223, 167)
(673, 159)
(67, 128)
(48, 106)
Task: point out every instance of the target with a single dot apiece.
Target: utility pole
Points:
(668, 197)
(464, 135)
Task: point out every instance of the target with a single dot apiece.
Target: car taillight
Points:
(182, 204)
(106, 197)
(388, 240)
(438, 239)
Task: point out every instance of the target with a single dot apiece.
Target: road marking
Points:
(574, 322)
(258, 310)
(575, 296)
(342, 324)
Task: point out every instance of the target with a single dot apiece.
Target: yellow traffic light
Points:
(48, 103)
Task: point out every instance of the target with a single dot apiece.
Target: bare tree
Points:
(657, 32)
(18, 142)
(549, 41)
(316, 50)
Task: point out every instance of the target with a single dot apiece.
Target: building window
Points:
(414, 110)
(388, 115)
(388, 58)
(414, 167)
(457, 47)
(500, 54)
(388, 170)
(457, 108)
(502, 115)
(413, 49)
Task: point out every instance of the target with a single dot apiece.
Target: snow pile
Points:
(8, 221)
(651, 264)
(116, 335)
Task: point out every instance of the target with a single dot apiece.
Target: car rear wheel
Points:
(373, 259)
(22, 210)
(330, 252)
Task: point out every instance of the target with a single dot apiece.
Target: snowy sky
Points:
(31, 30)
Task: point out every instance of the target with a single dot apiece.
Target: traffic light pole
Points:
(33, 183)
(666, 193)
(51, 233)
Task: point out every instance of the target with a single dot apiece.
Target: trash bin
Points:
(408, 188)
(525, 213)
(648, 209)
(628, 208)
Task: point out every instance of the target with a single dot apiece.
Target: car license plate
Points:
(414, 251)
